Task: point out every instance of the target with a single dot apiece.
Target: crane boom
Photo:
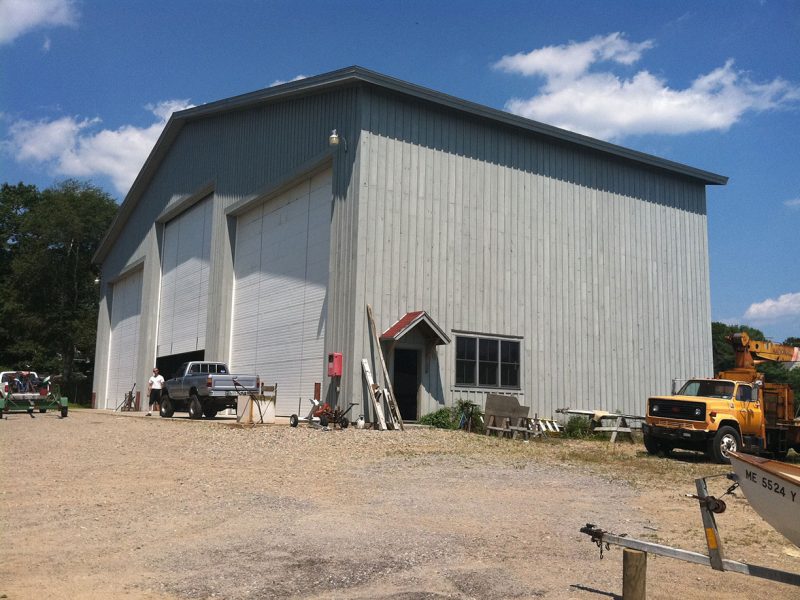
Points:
(748, 353)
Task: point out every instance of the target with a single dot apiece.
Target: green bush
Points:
(577, 427)
(471, 410)
(450, 418)
(441, 419)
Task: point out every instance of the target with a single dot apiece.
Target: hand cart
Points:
(321, 414)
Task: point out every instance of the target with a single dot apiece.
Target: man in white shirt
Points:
(154, 386)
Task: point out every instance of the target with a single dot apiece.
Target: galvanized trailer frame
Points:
(709, 505)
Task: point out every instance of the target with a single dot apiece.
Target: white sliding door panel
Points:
(280, 287)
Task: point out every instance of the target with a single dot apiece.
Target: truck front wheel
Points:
(726, 440)
(652, 445)
(167, 409)
(195, 408)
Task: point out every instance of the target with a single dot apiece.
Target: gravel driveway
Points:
(105, 505)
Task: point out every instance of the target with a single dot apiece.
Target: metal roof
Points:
(414, 319)
(360, 76)
(357, 74)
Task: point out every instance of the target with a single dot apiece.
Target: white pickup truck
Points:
(204, 388)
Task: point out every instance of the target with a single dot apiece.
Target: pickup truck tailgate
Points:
(223, 385)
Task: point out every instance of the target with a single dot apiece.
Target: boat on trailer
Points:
(772, 488)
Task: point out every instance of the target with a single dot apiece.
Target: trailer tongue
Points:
(634, 569)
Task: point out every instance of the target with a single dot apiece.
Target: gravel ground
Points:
(105, 505)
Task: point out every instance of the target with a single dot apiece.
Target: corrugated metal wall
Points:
(242, 153)
(601, 266)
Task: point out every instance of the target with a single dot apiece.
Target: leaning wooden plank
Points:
(391, 399)
(373, 393)
(391, 422)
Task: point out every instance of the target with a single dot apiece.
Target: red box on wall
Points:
(335, 364)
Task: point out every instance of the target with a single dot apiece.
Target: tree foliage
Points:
(48, 311)
(723, 352)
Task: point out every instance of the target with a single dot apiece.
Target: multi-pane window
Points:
(487, 362)
(466, 360)
(509, 363)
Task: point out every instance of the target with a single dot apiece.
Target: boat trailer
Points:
(634, 565)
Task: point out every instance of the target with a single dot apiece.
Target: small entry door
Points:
(406, 382)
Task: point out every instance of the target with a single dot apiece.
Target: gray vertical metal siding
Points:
(242, 152)
(599, 264)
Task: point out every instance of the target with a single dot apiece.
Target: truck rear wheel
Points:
(726, 440)
(167, 409)
(294, 420)
(209, 413)
(195, 408)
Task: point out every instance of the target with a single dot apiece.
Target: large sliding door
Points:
(184, 281)
(126, 310)
(280, 290)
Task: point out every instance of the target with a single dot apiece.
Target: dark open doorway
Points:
(168, 365)
(406, 382)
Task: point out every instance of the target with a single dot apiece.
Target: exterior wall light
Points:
(335, 139)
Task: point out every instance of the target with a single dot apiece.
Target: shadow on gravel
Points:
(584, 588)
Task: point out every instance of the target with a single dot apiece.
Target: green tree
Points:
(15, 201)
(723, 353)
(50, 297)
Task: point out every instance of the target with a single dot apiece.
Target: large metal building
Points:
(499, 254)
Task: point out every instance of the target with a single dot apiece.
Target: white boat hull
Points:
(773, 490)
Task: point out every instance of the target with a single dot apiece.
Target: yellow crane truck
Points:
(737, 411)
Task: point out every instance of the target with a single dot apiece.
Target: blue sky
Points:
(86, 86)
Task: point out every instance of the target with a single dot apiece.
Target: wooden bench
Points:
(506, 417)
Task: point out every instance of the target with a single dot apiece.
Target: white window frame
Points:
(499, 364)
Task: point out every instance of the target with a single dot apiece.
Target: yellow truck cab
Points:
(736, 411)
(716, 416)
(707, 415)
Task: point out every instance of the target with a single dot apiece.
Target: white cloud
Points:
(18, 17)
(572, 60)
(73, 147)
(282, 81)
(795, 203)
(786, 305)
(604, 104)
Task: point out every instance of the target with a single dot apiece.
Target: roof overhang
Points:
(419, 318)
